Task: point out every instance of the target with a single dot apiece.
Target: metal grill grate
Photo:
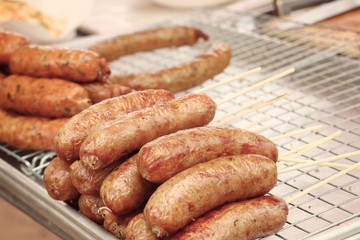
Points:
(324, 89)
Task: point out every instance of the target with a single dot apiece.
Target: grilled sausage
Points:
(49, 62)
(164, 157)
(124, 190)
(89, 206)
(113, 140)
(99, 91)
(70, 137)
(206, 186)
(246, 220)
(52, 98)
(32, 133)
(57, 180)
(139, 229)
(183, 76)
(10, 42)
(147, 40)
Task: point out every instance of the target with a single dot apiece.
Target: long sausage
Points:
(146, 40)
(113, 140)
(139, 229)
(25, 132)
(49, 62)
(10, 42)
(183, 76)
(99, 91)
(89, 206)
(166, 156)
(124, 190)
(246, 220)
(70, 137)
(52, 98)
(206, 186)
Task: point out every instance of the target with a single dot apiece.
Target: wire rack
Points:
(325, 89)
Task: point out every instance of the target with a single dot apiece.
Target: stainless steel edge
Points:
(33, 199)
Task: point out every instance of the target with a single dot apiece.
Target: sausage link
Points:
(124, 190)
(246, 220)
(25, 132)
(183, 76)
(166, 156)
(99, 91)
(162, 37)
(139, 229)
(70, 137)
(113, 140)
(57, 180)
(206, 186)
(52, 98)
(71, 64)
(10, 42)
(89, 206)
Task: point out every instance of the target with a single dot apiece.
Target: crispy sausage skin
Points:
(49, 62)
(139, 229)
(70, 137)
(113, 140)
(89, 206)
(52, 98)
(183, 76)
(99, 91)
(124, 190)
(32, 133)
(10, 42)
(126, 44)
(164, 157)
(57, 180)
(246, 220)
(206, 186)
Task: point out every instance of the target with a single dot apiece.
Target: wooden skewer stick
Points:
(312, 163)
(257, 121)
(319, 184)
(257, 85)
(230, 79)
(335, 165)
(296, 132)
(262, 128)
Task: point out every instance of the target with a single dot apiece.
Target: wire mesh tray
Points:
(325, 89)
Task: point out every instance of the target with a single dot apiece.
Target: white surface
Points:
(183, 4)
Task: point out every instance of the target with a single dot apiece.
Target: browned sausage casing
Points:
(147, 40)
(164, 157)
(89, 206)
(52, 98)
(113, 140)
(245, 220)
(124, 190)
(183, 76)
(25, 132)
(70, 137)
(99, 91)
(72, 64)
(10, 42)
(57, 180)
(139, 229)
(206, 186)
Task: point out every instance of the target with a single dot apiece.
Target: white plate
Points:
(190, 3)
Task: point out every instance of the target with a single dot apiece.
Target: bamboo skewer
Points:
(327, 164)
(319, 184)
(296, 132)
(257, 121)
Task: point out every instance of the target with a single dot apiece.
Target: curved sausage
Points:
(248, 220)
(49, 62)
(70, 137)
(206, 186)
(57, 180)
(124, 190)
(52, 98)
(168, 155)
(139, 229)
(10, 42)
(99, 91)
(25, 132)
(146, 40)
(183, 76)
(89, 206)
(113, 140)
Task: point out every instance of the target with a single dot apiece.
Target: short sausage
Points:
(99, 91)
(139, 229)
(10, 42)
(89, 206)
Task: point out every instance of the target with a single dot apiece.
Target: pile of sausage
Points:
(147, 165)
(42, 87)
